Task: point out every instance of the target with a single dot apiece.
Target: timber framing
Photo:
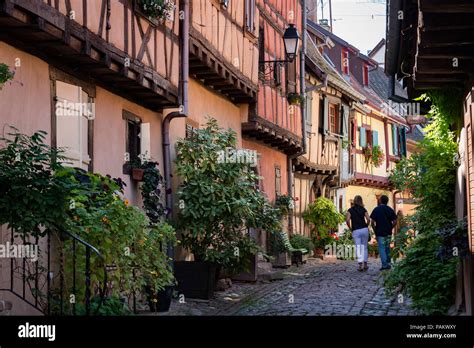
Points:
(43, 31)
(207, 65)
(369, 180)
(436, 44)
(270, 134)
(304, 166)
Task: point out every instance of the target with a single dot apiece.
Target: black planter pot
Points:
(163, 298)
(196, 279)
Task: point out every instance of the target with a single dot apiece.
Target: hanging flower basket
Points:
(374, 155)
(158, 10)
(295, 99)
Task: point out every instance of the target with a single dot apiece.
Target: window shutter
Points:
(309, 111)
(362, 137)
(345, 120)
(403, 141)
(394, 140)
(375, 138)
(326, 116)
(145, 141)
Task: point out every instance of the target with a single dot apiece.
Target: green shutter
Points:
(403, 141)
(394, 140)
(375, 138)
(362, 137)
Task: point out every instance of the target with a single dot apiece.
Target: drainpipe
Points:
(302, 108)
(183, 111)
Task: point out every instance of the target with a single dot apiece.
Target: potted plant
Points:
(299, 241)
(324, 219)
(295, 99)
(218, 204)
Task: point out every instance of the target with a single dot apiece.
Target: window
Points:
(341, 208)
(250, 15)
(138, 140)
(277, 181)
(365, 75)
(345, 61)
(334, 118)
(74, 115)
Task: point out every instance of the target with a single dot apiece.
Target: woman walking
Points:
(358, 221)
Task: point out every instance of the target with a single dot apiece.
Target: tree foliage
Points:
(218, 199)
(425, 272)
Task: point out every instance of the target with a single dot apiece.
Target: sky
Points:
(359, 22)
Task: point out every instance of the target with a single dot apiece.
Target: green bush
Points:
(425, 273)
(219, 199)
(429, 281)
(299, 241)
(324, 218)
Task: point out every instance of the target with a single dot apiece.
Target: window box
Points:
(137, 174)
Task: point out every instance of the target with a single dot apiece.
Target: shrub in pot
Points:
(218, 202)
(324, 218)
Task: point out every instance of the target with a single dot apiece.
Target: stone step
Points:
(265, 271)
(5, 307)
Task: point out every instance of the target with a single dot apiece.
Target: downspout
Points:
(183, 112)
(302, 108)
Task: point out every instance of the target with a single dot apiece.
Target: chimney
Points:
(325, 24)
(312, 6)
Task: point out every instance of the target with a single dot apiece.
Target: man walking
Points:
(384, 220)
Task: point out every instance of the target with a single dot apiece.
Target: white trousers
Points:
(361, 238)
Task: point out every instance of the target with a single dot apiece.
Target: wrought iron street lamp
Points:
(269, 68)
(291, 40)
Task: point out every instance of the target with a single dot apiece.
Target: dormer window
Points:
(345, 61)
(365, 75)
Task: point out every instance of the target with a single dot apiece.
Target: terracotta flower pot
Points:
(137, 174)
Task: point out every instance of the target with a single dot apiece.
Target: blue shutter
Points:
(362, 137)
(394, 140)
(375, 138)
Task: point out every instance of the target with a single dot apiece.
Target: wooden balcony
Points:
(209, 66)
(272, 135)
(362, 179)
(99, 55)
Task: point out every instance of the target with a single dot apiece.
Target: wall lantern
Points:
(270, 68)
(291, 40)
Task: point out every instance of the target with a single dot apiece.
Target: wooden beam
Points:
(447, 6)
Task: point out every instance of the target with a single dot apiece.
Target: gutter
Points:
(302, 108)
(183, 112)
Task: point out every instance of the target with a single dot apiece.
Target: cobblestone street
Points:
(320, 287)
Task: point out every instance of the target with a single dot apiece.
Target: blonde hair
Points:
(358, 201)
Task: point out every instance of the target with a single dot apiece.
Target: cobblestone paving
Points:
(321, 287)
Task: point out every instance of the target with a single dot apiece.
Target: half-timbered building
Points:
(97, 76)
